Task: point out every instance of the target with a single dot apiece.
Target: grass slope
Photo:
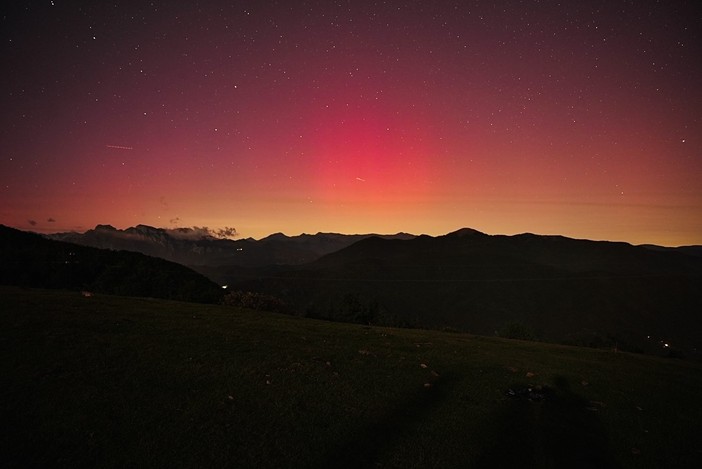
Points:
(108, 381)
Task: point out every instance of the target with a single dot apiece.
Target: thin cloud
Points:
(203, 232)
(226, 232)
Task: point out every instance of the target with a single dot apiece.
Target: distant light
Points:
(666, 345)
(224, 286)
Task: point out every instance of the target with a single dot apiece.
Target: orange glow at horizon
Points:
(424, 117)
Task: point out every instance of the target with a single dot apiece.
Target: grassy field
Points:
(114, 382)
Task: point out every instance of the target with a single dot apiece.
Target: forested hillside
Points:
(27, 259)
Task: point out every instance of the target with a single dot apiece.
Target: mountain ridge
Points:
(197, 247)
(562, 289)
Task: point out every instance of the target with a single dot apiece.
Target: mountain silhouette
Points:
(557, 288)
(197, 248)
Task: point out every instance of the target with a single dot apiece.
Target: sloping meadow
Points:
(108, 381)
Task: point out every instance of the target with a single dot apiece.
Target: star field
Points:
(575, 118)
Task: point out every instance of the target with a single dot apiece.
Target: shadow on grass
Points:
(551, 428)
(380, 436)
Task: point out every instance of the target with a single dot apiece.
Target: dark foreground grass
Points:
(116, 382)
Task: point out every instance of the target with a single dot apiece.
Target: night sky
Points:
(575, 118)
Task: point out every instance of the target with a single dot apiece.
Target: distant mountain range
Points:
(532, 286)
(191, 247)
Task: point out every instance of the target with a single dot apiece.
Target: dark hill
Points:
(30, 260)
(550, 287)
